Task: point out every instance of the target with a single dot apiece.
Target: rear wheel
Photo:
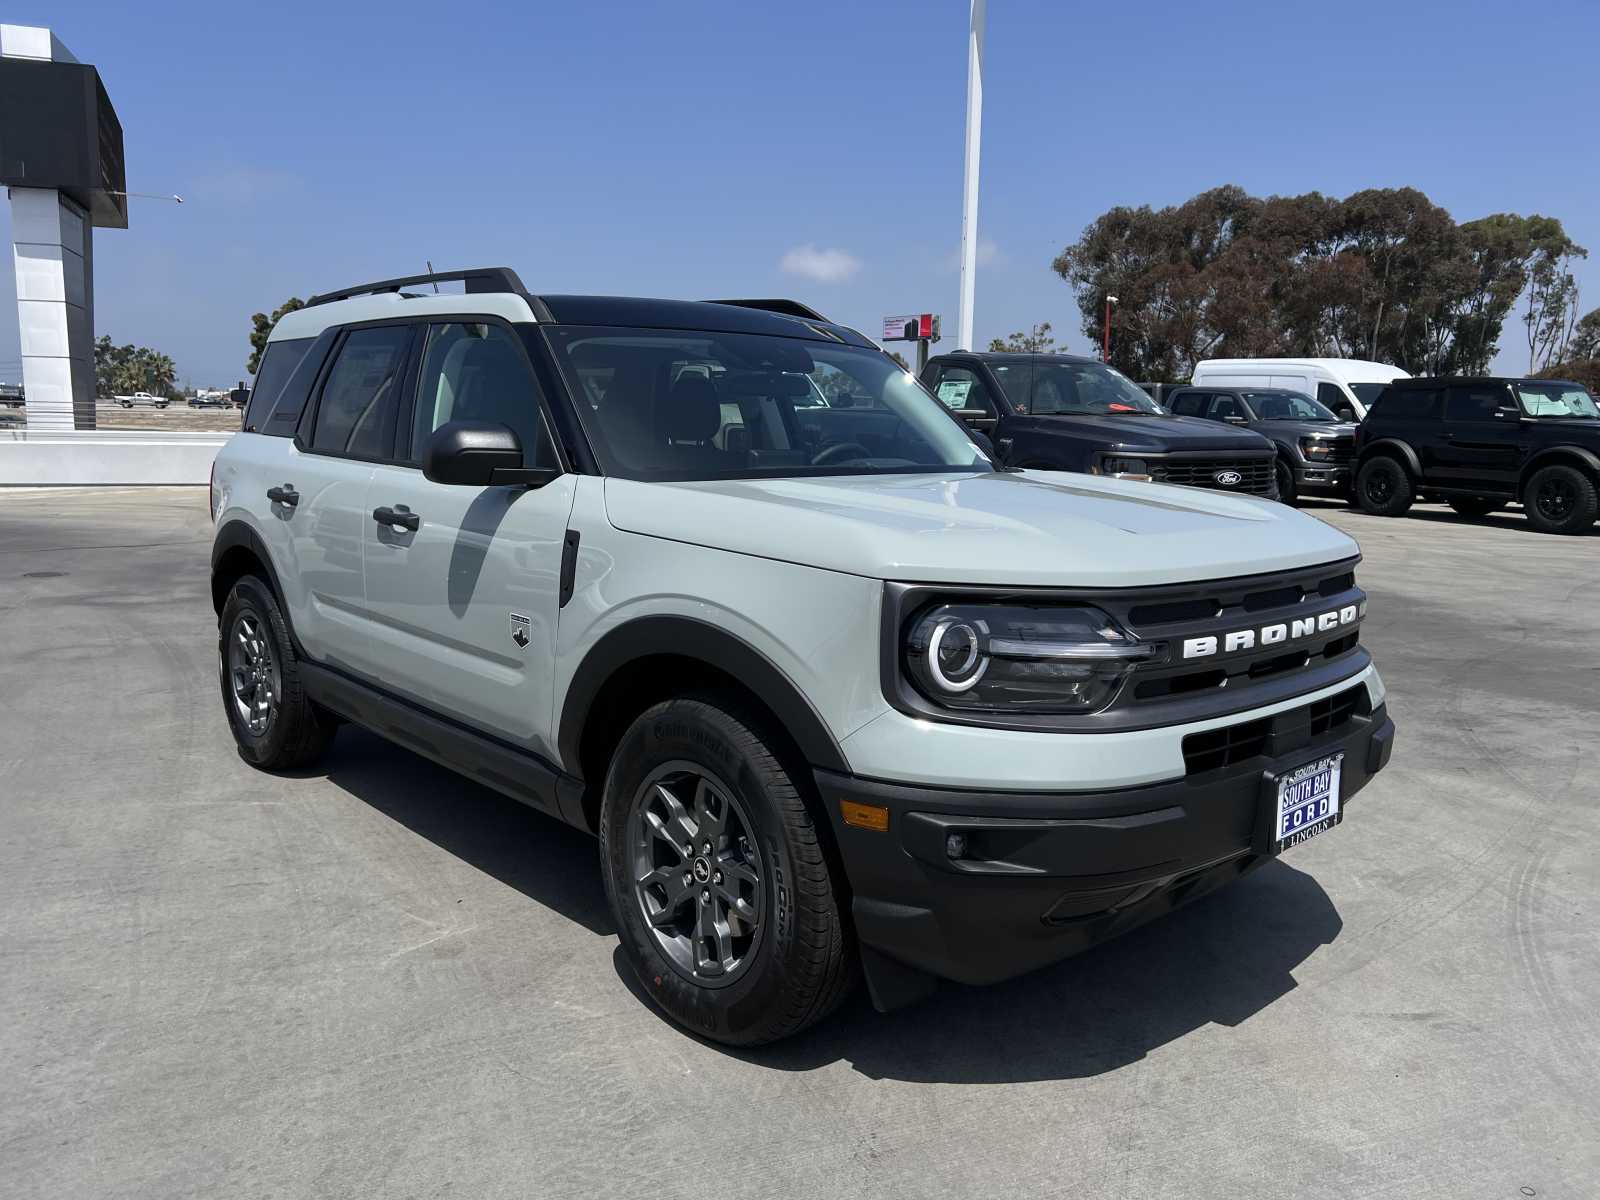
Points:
(1475, 506)
(1560, 499)
(1384, 487)
(721, 892)
(275, 724)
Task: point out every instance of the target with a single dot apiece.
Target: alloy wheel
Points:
(253, 674)
(1555, 499)
(696, 872)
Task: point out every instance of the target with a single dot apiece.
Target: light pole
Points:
(1105, 352)
(969, 179)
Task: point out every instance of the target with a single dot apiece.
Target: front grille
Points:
(1233, 745)
(1215, 609)
(1254, 470)
(1341, 453)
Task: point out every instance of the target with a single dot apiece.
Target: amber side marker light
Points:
(864, 816)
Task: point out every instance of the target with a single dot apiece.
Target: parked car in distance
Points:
(1346, 387)
(210, 399)
(724, 585)
(1059, 412)
(12, 396)
(1479, 444)
(142, 398)
(1316, 450)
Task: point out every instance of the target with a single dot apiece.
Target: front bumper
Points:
(1046, 875)
(1323, 478)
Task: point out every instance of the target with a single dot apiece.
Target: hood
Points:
(1155, 432)
(1029, 528)
(1343, 429)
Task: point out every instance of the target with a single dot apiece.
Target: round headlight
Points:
(955, 655)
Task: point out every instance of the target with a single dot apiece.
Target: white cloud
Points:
(824, 266)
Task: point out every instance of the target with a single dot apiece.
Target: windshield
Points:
(1556, 400)
(675, 405)
(1367, 392)
(1088, 389)
(1287, 406)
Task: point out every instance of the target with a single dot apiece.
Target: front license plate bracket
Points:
(1300, 802)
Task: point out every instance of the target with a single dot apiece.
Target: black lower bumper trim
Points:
(981, 886)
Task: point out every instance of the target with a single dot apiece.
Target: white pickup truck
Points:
(142, 398)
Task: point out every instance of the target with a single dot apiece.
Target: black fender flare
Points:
(1544, 457)
(1396, 449)
(238, 534)
(686, 637)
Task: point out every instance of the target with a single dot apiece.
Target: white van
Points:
(1346, 385)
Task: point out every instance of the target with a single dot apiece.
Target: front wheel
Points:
(725, 906)
(1560, 499)
(1286, 491)
(1384, 488)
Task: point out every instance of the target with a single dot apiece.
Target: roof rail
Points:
(788, 308)
(477, 279)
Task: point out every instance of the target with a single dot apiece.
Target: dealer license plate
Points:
(1308, 802)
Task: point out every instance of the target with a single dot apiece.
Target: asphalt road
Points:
(376, 979)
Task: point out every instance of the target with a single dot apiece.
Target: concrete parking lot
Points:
(376, 979)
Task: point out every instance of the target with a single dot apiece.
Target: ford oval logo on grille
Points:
(1228, 478)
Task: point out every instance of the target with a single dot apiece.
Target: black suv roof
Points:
(1469, 380)
(1018, 356)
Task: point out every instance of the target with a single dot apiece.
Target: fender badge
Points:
(519, 630)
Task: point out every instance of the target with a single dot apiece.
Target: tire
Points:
(252, 634)
(1384, 487)
(1560, 499)
(1475, 506)
(125, 403)
(794, 959)
(1286, 492)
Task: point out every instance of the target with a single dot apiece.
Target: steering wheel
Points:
(840, 452)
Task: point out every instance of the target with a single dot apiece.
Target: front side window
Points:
(475, 371)
(1087, 389)
(1367, 393)
(1556, 400)
(678, 405)
(1288, 406)
(1472, 403)
(361, 399)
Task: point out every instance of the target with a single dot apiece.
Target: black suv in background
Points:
(1059, 412)
(1316, 450)
(1479, 444)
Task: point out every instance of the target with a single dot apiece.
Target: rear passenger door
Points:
(464, 605)
(349, 425)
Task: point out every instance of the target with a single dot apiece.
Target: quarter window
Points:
(276, 366)
(361, 399)
(477, 372)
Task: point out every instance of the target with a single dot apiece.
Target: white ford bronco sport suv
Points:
(724, 585)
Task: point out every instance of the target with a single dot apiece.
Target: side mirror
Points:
(1508, 414)
(478, 454)
(1236, 420)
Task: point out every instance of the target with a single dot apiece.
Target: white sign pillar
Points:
(52, 245)
(969, 179)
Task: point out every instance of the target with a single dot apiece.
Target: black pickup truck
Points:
(1059, 412)
(1315, 448)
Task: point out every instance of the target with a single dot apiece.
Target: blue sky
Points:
(693, 149)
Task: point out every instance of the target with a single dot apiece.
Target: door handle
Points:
(398, 517)
(285, 495)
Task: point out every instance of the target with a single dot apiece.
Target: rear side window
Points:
(1410, 404)
(277, 365)
(361, 399)
(1189, 404)
(1334, 399)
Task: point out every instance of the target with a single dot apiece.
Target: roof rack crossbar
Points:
(788, 308)
(477, 279)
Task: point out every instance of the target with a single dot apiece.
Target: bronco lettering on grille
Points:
(1271, 635)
